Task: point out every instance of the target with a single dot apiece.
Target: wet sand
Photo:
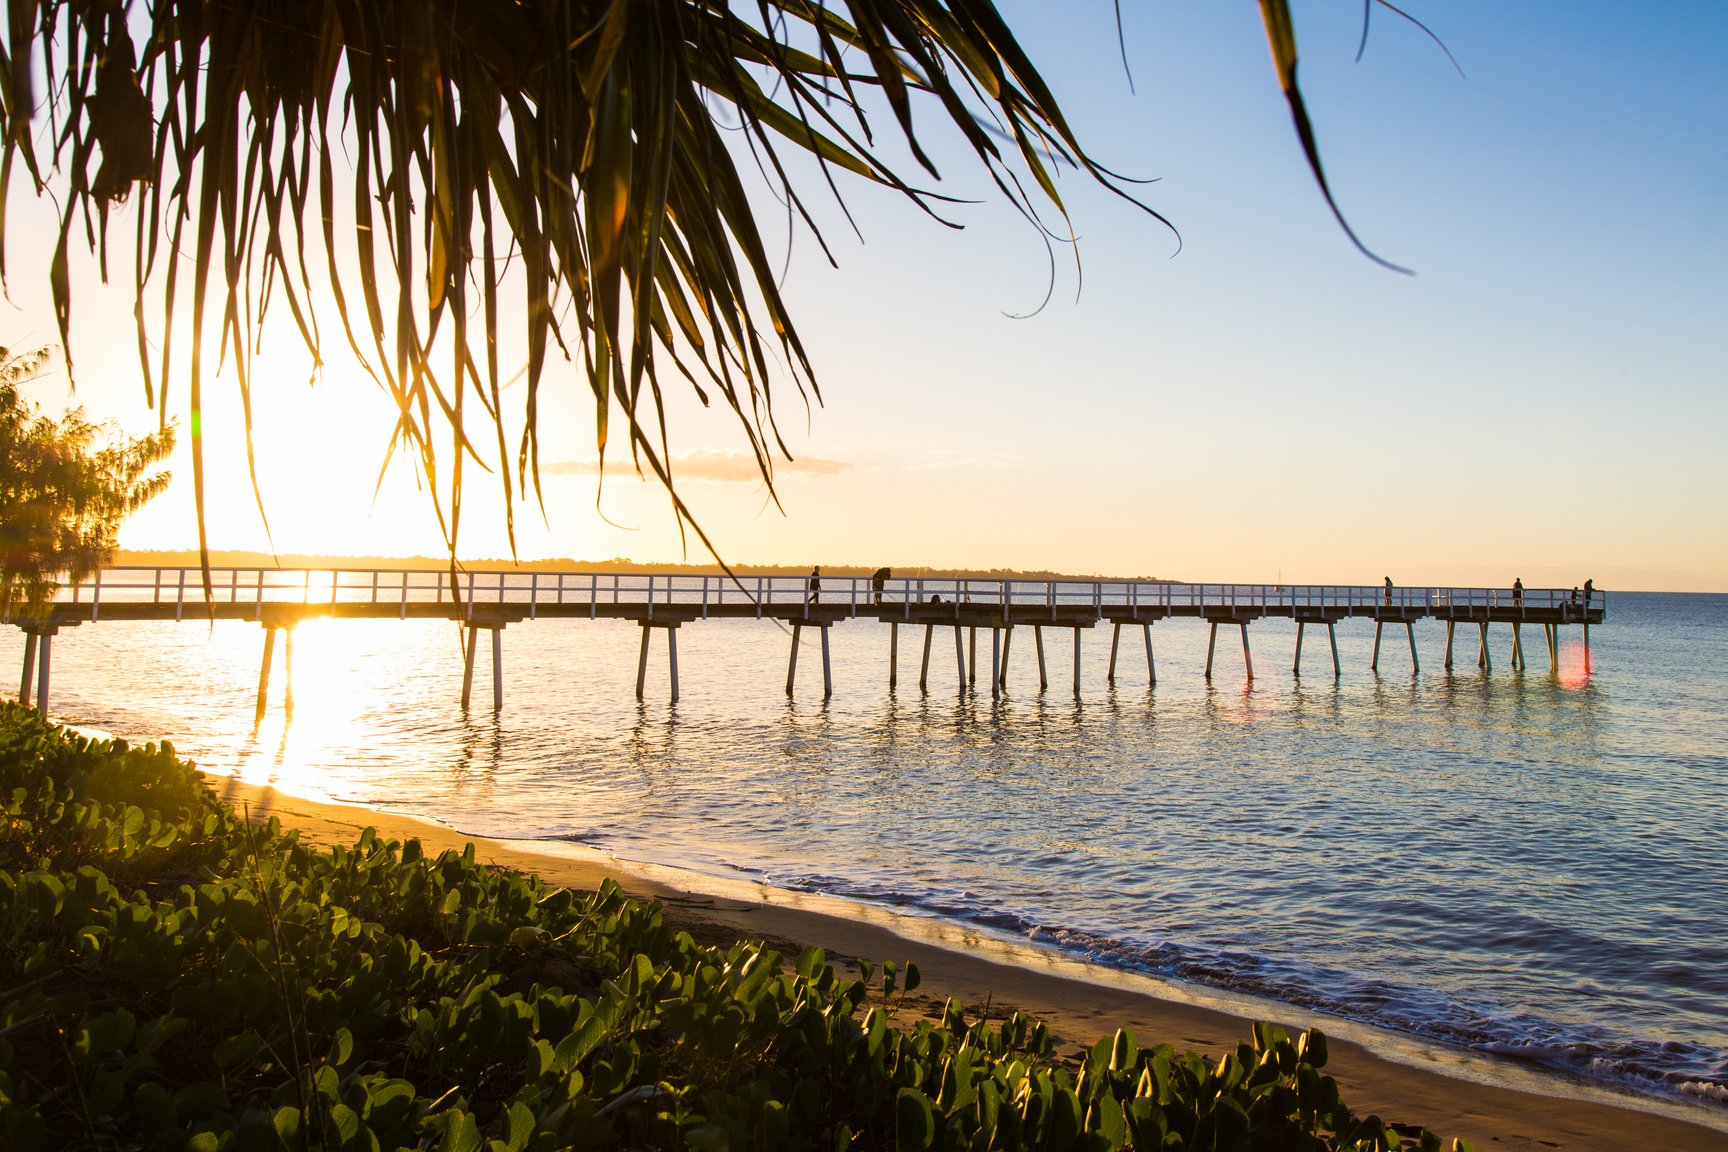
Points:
(1495, 1104)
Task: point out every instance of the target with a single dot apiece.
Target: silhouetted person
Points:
(1518, 592)
(1574, 595)
(1388, 591)
(878, 581)
(1589, 590)
(815, 585)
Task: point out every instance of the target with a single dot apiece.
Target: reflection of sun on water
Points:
(1574, 666)
(317, 705)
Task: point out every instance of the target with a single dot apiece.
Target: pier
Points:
(490, 602)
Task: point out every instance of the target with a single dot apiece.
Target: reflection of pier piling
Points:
(490, 601)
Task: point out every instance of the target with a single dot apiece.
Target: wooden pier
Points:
(279, 599)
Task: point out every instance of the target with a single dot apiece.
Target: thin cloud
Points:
(714, 465)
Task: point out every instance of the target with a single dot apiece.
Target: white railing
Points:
(184, 588)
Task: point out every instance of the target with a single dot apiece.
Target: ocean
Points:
(1521, 863)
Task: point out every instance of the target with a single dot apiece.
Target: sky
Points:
(1252, 402)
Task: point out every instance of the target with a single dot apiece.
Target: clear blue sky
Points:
(1544, 399)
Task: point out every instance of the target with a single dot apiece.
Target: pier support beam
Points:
(1151, 663)
(1331, 637)
(641, 658)
(1038, 639)
(1518, 661)
(1212, 642)
(893, 653)
(1553, 632)
(497, 663)
(1007, 643)
(924, 668)
(1115, 639)
(960, 657)
(972, 655)
(1449, 626)
(791, 661)
(1409, 633)
(1484, 659)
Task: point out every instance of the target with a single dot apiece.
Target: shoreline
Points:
(1494, 1103)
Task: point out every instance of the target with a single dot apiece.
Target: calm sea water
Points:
(1521, 863)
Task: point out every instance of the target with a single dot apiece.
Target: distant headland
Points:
(222, 558)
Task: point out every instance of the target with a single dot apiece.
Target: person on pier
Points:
(878, 581)
(1589, 591)
(1388, 591)
(1518, 592)
(815, 585)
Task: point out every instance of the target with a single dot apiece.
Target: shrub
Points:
(175, 978)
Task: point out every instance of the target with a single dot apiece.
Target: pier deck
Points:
(278, 599)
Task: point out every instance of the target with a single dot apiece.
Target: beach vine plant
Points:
(173, 977)
(397, 156)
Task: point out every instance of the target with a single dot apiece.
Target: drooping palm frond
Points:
(584, 143)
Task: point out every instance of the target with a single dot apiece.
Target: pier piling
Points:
(893, 653)
(1038, 640)
(827, 665)
(44, 666)
(264, 672)
(1076, 661)
(27, 678)
(497, 668)
(791, 661)
(671, 656)
(995, 663)
(1151, 664)
(1115, 638)
(924, 668)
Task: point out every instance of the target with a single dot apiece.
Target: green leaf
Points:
(915, 1126)
(461, 1134)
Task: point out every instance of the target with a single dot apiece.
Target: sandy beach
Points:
(1495, 1104)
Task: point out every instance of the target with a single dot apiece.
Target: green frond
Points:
(581, 140)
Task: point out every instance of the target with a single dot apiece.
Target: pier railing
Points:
(382, 587)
